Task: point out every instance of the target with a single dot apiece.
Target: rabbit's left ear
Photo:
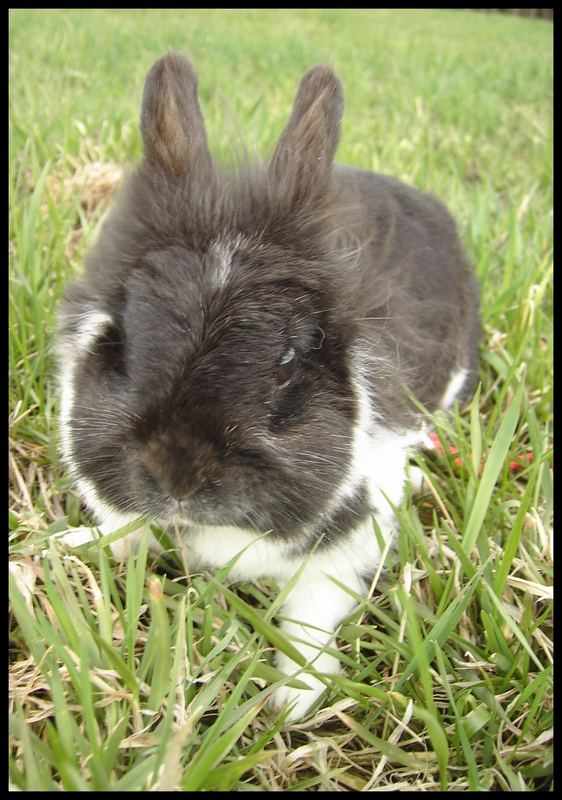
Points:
(302, 160)
(172, 125)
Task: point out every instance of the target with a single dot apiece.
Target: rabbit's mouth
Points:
(200, 511)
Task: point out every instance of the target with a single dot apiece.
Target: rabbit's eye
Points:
(286, 367)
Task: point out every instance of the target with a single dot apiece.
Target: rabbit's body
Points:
(240, 355)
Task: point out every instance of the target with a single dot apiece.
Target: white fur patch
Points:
(316, 606)
(224, 263)
(90, 327)
(66, 402)
(110, 521)
(215, 546)
(224, 251)
(378, 454)
(453, 388)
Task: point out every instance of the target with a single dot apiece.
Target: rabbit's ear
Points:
(172, 125)
(302, 160)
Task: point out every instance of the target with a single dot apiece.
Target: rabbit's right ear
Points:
(302, 161)
(172, 126)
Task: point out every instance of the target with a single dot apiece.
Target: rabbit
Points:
(248, 351)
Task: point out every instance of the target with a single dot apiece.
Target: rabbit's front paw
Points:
(299, 701)
(120, 549)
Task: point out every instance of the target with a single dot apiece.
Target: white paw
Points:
(129, 544)
(124, 547)
(120, 549)
(72, 538)
(416, 478)
(299, 701)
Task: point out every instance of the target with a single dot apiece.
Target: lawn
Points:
(135, 677)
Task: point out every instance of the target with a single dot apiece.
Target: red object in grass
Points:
(520, 463)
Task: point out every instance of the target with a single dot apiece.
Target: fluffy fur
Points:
(243, 349)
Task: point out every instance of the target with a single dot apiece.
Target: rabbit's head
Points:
(206, 353)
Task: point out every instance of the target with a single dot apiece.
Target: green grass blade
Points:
(510, 622)
(211, 754)
(492, 468)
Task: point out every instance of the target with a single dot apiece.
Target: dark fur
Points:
(175, 398)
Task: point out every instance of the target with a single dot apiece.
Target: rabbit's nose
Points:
(179, 468)
(179, 496)
(179, 484)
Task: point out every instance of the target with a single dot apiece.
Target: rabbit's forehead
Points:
(220, 291)
(183, 327)
(221, 256)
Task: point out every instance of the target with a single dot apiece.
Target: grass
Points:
(136, 677)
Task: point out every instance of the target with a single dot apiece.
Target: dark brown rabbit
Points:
(244, 353)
